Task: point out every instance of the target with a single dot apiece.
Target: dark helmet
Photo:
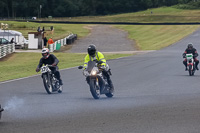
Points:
(190, 45)
(92, 50)
(45, 53)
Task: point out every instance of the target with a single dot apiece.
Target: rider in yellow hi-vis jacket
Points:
(97, 56)
(93, 54)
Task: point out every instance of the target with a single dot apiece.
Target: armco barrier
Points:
(6, 49)
(66, 41)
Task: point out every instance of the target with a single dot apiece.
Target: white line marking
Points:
(8, 81)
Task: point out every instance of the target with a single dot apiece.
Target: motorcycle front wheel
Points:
(190, 70)
(94, 89)
(47, 84)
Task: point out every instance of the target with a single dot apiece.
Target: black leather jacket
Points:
(50, 60)
(189, 51)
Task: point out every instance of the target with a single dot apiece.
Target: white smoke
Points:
(14, 103)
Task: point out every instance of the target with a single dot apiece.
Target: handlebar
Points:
(50, 66)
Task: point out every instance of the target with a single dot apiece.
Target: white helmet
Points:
(45, 53)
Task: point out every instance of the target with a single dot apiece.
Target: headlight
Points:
(93, 72)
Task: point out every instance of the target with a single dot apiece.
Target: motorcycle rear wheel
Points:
(47, 84)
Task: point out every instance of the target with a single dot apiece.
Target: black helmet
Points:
(92, 50)
(190, 45)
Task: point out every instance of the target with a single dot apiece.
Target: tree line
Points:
(71, 8)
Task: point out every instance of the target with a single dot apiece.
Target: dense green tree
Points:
(67, 8)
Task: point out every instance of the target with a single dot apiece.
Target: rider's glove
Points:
(86, 73)
(184, 55)
(103, 67)
(54, 64)
(37, 69)
(195, 55)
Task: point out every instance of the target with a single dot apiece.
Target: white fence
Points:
(6, 49)
(65, 41)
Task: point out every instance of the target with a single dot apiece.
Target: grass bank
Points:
(60, 30)
(20, 65)
(155, 37)
(155, 15)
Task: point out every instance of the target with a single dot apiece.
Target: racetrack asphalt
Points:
(153, 94)
(106, 38)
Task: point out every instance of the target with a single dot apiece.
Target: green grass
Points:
(20, 65)
(60, 30)
(151, 37)
(162, 15)
(155, 37)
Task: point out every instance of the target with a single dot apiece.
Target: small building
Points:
(9, 34)
(35, 40)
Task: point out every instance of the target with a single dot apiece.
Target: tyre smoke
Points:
(14, 103)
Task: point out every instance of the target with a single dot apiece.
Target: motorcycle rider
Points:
(190, 49)
(93, 54)
(50, 59)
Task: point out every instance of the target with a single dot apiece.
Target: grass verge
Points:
(154, 15)
(18, 65)
(155, 37)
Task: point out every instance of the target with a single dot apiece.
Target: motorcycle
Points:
(190, 64)
(1, 110)
(51, 83)
(97, 81)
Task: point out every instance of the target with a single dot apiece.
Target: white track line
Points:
(31, 76)
(77, 66)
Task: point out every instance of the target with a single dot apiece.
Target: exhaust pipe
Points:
(1, 110)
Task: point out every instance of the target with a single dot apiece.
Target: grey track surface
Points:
(106, 38)
(153, 95)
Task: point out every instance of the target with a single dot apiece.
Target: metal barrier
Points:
(6, 49)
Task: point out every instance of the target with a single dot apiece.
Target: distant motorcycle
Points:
(190, 64)
(51, 83)
(1, 110)
(96, 80)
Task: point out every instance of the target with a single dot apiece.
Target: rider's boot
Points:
(197, 68)
(110, 84)
(196, 65)
(185, 63)
(60, 82)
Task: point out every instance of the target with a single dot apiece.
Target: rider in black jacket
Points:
(49, 59)
(190, 50)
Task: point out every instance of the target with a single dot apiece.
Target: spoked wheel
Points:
(59, 87)
(94, 89)
(47, 84)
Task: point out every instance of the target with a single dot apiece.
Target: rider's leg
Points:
(196, 63)
(57, 74)
(185, 63)
(108, 79)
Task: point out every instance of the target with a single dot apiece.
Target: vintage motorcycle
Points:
(96, 80)
(190, 64)
(51, 83)
(1, 110)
